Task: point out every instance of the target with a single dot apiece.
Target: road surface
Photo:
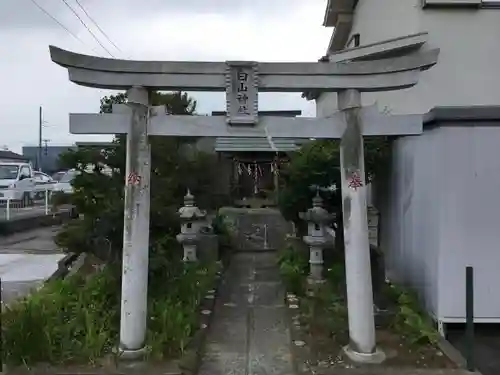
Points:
(486, 345)
(26, 260)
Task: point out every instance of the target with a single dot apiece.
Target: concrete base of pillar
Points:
(132, 354)
(372, 359)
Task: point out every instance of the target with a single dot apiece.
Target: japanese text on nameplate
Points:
(242, 95)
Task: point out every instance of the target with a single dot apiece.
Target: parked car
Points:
(58, 175)
(42, 178)
(64, 184)
(17, 182)
(43, 183)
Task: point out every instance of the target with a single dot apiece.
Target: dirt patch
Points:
(324, 328)
(319, 319)
(112, 367)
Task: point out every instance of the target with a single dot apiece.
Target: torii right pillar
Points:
(362, 346)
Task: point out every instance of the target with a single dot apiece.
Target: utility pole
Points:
(40, 123)
(46, 146)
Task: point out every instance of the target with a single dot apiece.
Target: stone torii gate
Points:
(391, 65)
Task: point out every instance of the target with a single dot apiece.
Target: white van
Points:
(16, 182)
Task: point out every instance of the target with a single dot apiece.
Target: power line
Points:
(64, 27)
(97, 25)
(85, 25)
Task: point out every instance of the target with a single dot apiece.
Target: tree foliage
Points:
(318, 164)
(77, 319)
(99, 195)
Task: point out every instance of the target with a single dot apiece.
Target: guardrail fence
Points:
(16, 204)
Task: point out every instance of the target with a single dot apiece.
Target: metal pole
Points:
(40, 123)
(46, 201)
(469, 317)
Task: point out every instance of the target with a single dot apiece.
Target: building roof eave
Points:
(340, 35)
(7, 154)
(335, 8)
(338, 41)
(338, 14)
(391, 48)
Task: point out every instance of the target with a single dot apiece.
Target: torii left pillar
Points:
(136, 228)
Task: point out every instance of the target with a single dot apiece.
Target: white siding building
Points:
(440, 211)
(467, 72)
(440, 205)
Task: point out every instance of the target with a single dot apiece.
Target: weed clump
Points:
(76, 320)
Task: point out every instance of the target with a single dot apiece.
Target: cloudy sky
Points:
(216, 30)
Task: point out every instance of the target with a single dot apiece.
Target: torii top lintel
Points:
(386, 74)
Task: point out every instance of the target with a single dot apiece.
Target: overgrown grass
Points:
(407, 318)
(293, 266)
(65, 320)
(76, 320)
(226, 230)
(173, 309)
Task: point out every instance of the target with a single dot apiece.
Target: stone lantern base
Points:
(189, 243)
(314, 285)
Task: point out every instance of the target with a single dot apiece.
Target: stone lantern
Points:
(317, 220)
(192, 219)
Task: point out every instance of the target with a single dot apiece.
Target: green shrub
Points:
(99, 195)
(410, 319)
(70, 318)
(318, 163)
(77, 319)
(173, 318)
(226, 231)
(59, 198)
(294, 267)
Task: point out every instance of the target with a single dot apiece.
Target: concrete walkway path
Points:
(249, 334)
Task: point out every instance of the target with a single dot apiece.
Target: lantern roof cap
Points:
(317, 214)
(190, 211)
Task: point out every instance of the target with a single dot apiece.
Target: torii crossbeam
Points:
(216, 126)
(391, 65)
